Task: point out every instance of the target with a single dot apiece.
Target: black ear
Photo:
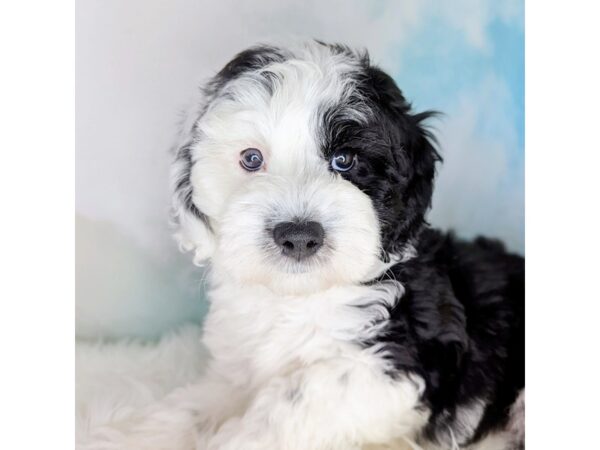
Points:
(414, 150)
(419, 147)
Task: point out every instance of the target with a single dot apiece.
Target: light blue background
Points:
(138, 63)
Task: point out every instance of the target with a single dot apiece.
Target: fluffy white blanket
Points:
(115, 379)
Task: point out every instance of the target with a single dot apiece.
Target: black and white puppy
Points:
(338, 318)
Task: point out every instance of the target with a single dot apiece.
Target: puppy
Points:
(338, 318)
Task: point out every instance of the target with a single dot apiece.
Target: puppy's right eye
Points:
(343, 160)
(251, 159)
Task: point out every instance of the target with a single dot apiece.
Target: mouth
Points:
(290, 264)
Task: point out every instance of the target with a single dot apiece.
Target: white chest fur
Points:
(256, 334)
(300, 360)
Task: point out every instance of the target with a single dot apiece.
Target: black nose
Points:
(299, 240)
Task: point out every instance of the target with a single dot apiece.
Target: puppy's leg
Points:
(181, 421)
(334, 404)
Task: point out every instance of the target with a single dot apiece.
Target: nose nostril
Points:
(298, 240)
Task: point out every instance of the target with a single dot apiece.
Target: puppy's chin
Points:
(298, 284)
(292, 278)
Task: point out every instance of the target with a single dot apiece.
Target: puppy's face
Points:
(301, 170)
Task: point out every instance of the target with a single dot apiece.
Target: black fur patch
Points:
(396, 156)
(250, 60)
(460, 325)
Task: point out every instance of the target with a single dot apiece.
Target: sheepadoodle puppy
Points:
(339, 319)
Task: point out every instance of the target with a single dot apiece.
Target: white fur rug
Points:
(115, 379)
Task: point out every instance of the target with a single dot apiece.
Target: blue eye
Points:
(343, 160)
(251, 159)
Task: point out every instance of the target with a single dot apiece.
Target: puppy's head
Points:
(302, 169)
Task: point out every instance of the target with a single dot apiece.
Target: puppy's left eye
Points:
(343, 160)
(251, 159)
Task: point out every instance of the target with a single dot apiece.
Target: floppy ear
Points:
(193, 228)
(419, 147)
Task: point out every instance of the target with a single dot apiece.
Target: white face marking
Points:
(294, 183)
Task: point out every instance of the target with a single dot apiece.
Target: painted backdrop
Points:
(138, 62)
